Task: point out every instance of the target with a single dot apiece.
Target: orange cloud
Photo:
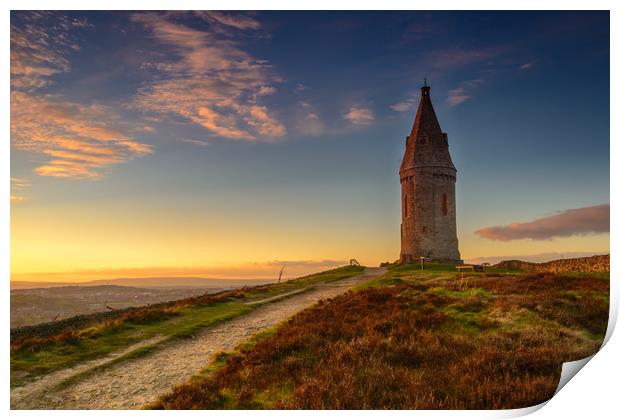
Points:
(39, 48)
(85, 146)
(35, 55)
(582, 221)
(259, 118)
(220, 124)
(80, 137)
(211, 82)
(17, 185)
(18, 198)
(66, 169)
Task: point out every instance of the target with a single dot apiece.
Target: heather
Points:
(415, 340)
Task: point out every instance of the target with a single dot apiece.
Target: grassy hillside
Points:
(48, 347)
(415, 340)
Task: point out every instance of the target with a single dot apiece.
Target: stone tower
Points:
(427, 179)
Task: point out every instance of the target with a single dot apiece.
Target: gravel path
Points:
(137, 382)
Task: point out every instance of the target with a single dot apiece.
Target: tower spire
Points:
(427, 145)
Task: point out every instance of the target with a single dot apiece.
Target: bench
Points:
(460, 268)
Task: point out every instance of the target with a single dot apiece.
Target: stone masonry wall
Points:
(426, 230)
(597, 263)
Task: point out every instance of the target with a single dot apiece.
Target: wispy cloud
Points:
(80, 139)
(405, 105)
(17, 187)
(18, 183)
(462, 93)
(422, 29)
(39, 49)
(211, 81)
(527, 66)
(581, 221)
(456, 58)
(201, 143)
(237, 20)
(457, 96)
(312, 125)
(307, 120)
(18, 198)
(359, 116)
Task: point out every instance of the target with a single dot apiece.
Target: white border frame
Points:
(592, 393)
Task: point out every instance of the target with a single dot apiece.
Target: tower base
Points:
(410, 259)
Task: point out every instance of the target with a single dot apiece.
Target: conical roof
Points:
(427, 145)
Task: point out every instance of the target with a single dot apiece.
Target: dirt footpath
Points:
(134, 383)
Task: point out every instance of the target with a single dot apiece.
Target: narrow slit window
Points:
(444, 205)
(406, 205)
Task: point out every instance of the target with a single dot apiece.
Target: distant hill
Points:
(149, 282)
(33, 304)
(43, 304)
(37, 284)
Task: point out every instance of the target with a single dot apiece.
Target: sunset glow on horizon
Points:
(230, 144)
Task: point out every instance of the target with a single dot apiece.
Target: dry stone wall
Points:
(597, 263)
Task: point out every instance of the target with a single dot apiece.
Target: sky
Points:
(230, 144)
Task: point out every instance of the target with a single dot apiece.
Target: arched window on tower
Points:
(444, 204)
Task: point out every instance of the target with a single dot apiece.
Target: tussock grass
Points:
(415, 340)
